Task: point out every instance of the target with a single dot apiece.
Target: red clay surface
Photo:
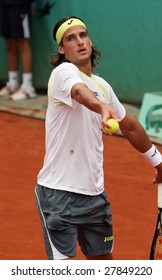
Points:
(128, 180)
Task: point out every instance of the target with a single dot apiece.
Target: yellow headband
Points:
(65, 26)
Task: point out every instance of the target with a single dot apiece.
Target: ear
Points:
(61, 49)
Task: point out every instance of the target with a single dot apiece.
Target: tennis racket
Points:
(156, 247)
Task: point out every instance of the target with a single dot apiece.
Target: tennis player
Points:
(70, 191)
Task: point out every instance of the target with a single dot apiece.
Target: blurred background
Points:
(128, 33)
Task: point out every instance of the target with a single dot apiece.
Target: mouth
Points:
(81, 50)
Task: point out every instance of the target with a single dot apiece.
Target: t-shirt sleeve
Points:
(62, 79)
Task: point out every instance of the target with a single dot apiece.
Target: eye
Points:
(83, 35)
(70, 38)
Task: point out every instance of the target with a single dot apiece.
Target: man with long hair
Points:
(70, 191)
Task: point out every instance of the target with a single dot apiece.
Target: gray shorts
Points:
(70, 217)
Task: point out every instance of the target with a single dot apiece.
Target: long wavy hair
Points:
(57, 58)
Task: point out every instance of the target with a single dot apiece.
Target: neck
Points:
(86, 69)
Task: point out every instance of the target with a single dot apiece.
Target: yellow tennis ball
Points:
(114, 126)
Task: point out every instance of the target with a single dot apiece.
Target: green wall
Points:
(127, 32)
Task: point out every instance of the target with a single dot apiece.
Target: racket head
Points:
(156, 247)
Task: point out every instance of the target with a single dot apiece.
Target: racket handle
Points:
(160, 195)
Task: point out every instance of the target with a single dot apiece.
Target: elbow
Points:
(128, 124)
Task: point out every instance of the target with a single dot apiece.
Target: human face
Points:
(76, 45)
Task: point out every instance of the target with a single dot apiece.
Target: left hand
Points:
(158, 174)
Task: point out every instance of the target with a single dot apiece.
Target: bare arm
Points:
(82, 94)
(136, 135)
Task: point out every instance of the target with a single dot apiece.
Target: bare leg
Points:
(11, 46)
(26, 55)
(102, 257)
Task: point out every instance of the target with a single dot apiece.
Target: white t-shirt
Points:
(74, 147)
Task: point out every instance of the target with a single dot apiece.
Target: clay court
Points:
(128, 181)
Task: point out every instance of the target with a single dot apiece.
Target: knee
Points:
(11, 46)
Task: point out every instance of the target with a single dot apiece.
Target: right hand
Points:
(107, 113)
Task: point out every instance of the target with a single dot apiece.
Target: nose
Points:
(79, 40)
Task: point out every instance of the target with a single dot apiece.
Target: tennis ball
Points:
(114, 126)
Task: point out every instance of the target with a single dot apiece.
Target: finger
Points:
(105, 131)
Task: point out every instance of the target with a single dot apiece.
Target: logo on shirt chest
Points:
(95, 93)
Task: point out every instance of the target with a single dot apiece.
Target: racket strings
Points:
(158, 248)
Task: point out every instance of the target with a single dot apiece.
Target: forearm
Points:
(84, 96)
(135, 134)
